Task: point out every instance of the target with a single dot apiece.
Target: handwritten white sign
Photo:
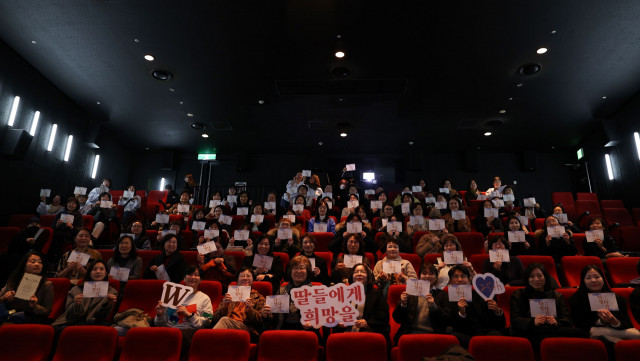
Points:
(491, 212)
(161, 273)
(207, 247)
(120, 273)
(353, 204)
(498, 203)
(242, 211)
(80, 190)
(241, 235)
(561, 217)
(509, 197)
(211, 233)
(441, 205)
(394, 226)
(351, 167)
(28, 286)
(418, 288)
(530, 202)
(453, 257)
(285, 233)
(79, 257)
(603, 301)
(95, 289)
(416, 220)
(239, 293)
(555, 231)
(198, 225)
(319, 227)
(127, 194)
(594, 234)
(257, 218)
(516, 236)
(456, 292)
(214, 203)
(45, 192)
(543, 307)
(183, 208)
(262, 261)
(225, 219)
(297, 207)
(306, 173)
(459, 215)
(498, 255)
(278, 303)
(405, 207)
(351, 260)
(436, 224)
(106, 204)
(416, 189)
(354, 227)
(162, 218)
(391, 267)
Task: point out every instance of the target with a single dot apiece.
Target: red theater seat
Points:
(504, 301)
(322, 240)
(501, 348)
(392, 299)
(61, 287)
(622, 269)
(477, 261)
(147, 256)
(471, 242)
(80, 343)
(565, 198)
(370, 346)
(582, 196)
(415, 347)
(152, 344)
(625, 293)
(546, 261)
(611, 203)
(6, 234)
(564, 348)
(288, 346)
(26, 342)
(415, 260)
(284, 258)
(572, 267)
(627, 350)
(143, 294)
(20, 220)
(228, 345)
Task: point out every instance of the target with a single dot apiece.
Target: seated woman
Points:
(290, 246)
(322, 217)
(172, 261)
(72, 269)
(244, 201)
(184, 201)
(54, 208)
(125, 255)
(472, 192)
(198, 216)
(88, 311)
(375, 311)
(538, 286)
(510, 207)
(486, 225)
(176, 228)
(449, 244)
(63, 232)
(354, 246)
(319, 271)
(402, 239)
(557, 209)
(303, 190)
(376, 212)
(468, 318)
(417, 210)
(496, 190)
(216, 266)
(246, 315)
(452, 225)
(275, 273)
(315, 188)
(407, 199)
(414, 313)
(431, 243)
(102, 217)
(96, 193)
(38, 307)
(601, 248)
(384, 280)
(509, 273)
(398, 200)
(272, 198)
(298, 201)
(519, 248)
(257, 225)
(217, 200)
(191, 315)
(609, 326)
(131, 206)
(347, 210)
(557, 247)
(446, 183)
(387, 212)
(335, 245)
(222, 232)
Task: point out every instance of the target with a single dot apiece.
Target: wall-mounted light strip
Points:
(636, 136)
(67, 151)
(607, 159)
(34, 123)
(14, 111)
(96, 161)
(52, 137)
(162, 184)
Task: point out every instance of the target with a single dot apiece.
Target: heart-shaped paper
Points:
(486, 285)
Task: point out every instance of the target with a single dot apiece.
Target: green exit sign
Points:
(206, 156)
(580, 153)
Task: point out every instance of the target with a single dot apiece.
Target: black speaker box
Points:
(16, 143)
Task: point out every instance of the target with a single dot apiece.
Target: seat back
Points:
(415, 347)
(625, 293)
(567, 293)
(213, 289)
(151, 344)
(107, 253)
(61, 287)
(546, 261)
(80, 343)
(19, 220)
(370, 346)
(87, 222)
(322, 240)
(564, 348)
(26, 342)
(238, 255)
(393, 297)
(228, 345)
(627, 350)
(147, 256)
(190, 257)
(432, 258)
(617, 215)
(6, 234)
(299, 346)
(630, 238)
(143, 294)
(566, 198)
(416, 237)
(504, 301)
(584, 196)
(501, 348)
(47, 220)
(588, 205)
(572, 267)
(611, 203)
(471, 242)
(328, 257)
(622, 269)
(284, 258)
(415, 260)
(477, 261)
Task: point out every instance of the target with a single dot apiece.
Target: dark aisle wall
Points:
(21, 179)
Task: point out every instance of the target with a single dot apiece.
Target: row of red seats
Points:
(101, 343)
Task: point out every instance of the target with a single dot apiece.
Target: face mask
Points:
(342, 186)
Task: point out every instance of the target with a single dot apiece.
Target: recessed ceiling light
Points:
(339, 54)
(320, 143)
(190, 114)
(33, 42)
(542, 50)
(149, 57)
(181, 102)
(502, 111)
(343, 134)
(260, 101)
(147, 148)
(604, 97)
(510, 99)
(161, 74)
(553, 31)
(172, 89)
(198, 125)
(519, 85)
(478, 148)
(339, 36)
(410, 143)
(136, 40)
(205, 135)
(486, 134)
(98, 103)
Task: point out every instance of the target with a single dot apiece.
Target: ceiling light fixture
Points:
(98, 103)
(149, 57)
(33, 42)
(343, 134)
(320, 143)
(190, 114)
(260, 101)
(604, 97)
(486, 134)
(542, 50)
(339, 54)
(519, 85)
(502, 111)
(205, 135)
(161, 74)
(410, 143)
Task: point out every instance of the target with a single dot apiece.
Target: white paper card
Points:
(285, 233)
(351, 167)
(225, 219)
(491, 212)
(319, 227)
(370, 191)
(313, 262)
(353, 204)
(441, 205)
(28, 286)
(183, 208)
(297, 207)
(384, 221)
(543, 307)
(354, 227)
(429, 199)
(40, 231)
(394, 226)
(242, 211)
(241, 235)
(290, 217)
(161, 273)
(481, 197)
(257, 218)
(174, 294)
(95, 289)
(594, 234)
(79, 257)
(106, 204)
(405, 207)
(162, 218)
(498, 255)
(351, 260)
(232, 198)
(530, 202)
(67, 218)
(133, 236)
(306, 173)
(436, 224)
(391, 267)
(418, 288)
(120, 273)
(416, 220)
(416, 189)
(262, 261)
(270, 205)
(80, 190)
(453, 257)
(214, 203)
(207, 247)
(498, 203)
(327, 195)
(376, 204)
(459, 215)
(127, 194)
(211, 233)
(198, 225)
(603, 301)
(278, 303)
(556, 231)
(443, 190)
(509, 197)
(45, 192)
(524, 220)
(168, 231)
(516, 236)
(239, 293)
(561, 217)
(456, 292)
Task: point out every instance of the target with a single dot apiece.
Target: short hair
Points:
(497, 239)
(460, 268)
(105, 194)
(191, 269)
(165, 239)
(428, 266)
(370, 277)
(361, 244)
(453, 239)
(301, 260)
(311, 237)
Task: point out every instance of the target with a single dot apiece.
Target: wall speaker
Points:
(16, 143)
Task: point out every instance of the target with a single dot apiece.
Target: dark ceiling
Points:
(428, 72)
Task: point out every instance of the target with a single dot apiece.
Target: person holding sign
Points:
(198, 216)
(291, 189)
(508, 271)
(394, 231)
(274, 274)
(168, 265)
(456, 224)
(241, 315)
(472, 192)
(315, 188)
(353, 250)
(54, 208)
(417, 222)
(452, 256)
(557, 244)
(256, 219)
(131, 203)
(387, 211)
(125, 256)
(376, 208)
(299, 207)
(352, 223)
(73, 264)
(319, 265)
(84, 310)
(27, 293)
(96, 193)
(65, 225)
(244, 201)
(468, 317)
(215, 215)
(559, 209)
(183, 207)
(285, 238)
(532, 323)
(386, 273)
(514, 232)
(403, 210)
(322, 219)
(414, 313)
(216, 266)
(431, 242)
(104, 212)
(30, 239)
(446, 184)
(601, 247)
(510, 202)
(488, 220)
(600, 312)
(496, 190)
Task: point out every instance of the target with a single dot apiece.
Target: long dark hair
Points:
(317, 213)
(16, 276)
(548, 284)
(117, 256)
(583, 287)
(87, 276)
